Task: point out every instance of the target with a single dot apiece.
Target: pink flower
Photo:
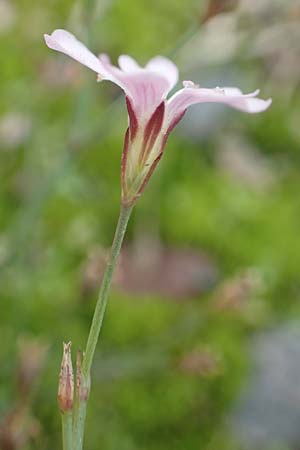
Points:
(151, 115)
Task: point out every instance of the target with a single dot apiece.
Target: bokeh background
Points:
(200, 347)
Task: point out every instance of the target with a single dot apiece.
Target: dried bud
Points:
(66, 381)
(82, 385)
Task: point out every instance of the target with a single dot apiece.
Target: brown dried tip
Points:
(66, 380)
(216, 7)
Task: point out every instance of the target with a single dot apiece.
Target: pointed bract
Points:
(66, 381)
(82, 385)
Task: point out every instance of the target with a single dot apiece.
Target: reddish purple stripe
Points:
(133, 122)
(123, 166)
(152, 130)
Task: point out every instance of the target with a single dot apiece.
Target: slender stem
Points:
(78, 424)
(84, 378)
(104, 291)
(67, 436)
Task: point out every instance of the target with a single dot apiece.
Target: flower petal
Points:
(128, 64)
(65, 42)
(146, 89)
(229, 96)
(164, 67)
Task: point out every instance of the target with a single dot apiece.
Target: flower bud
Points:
(66, 380)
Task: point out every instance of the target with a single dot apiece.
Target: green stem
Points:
(104, 291)
(78, 424)
(67, 436)
(80, 403)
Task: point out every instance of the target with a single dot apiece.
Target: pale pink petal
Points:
(146, 89)
(229, 96)
(164, 67)
(65, 42)
(104, 58)
(237, 91)
(112, 73)
(128, 64)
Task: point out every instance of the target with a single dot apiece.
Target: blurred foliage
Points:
(166, 372)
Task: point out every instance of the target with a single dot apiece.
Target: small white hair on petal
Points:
(232, 91)
(233, 97)
(188, 84)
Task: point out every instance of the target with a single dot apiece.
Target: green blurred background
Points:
(212, 256)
